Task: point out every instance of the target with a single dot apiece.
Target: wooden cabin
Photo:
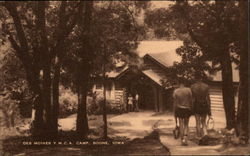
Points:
(147, 82)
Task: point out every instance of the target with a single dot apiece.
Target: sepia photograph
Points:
(124, 77)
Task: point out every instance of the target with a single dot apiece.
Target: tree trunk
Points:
(105, 127)
(82, 127)
(227, 89)
(47, 98)
(46, 64)
(55, 95)
(38, 123)
(32, 72)
(242, 111)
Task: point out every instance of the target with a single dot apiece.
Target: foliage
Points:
(203, 26)
(193, 63)
(68, 102)
(46, 35)
(9, 111)
(113, 33)
(214, 27)
(37, 33)
(13, 81)
(105, 36)
(243, 104)
(156, 20)
(95, 107)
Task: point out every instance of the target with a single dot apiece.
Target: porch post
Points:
(156, 98)
(160, 99)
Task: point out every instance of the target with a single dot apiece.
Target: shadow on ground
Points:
(131, 128)
(149, 145)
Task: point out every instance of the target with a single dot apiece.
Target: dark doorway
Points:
(168, 97)
(147, 89)
(146, 98)
(143, 87)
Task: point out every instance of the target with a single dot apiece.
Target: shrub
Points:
(10, 115)
(19, 92)
(68, 102)
(95, 106)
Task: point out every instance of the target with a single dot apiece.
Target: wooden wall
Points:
(217, 99)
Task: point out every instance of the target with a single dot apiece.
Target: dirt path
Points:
(118, 125)
(175, 147)
(140, 124)
(136, 125)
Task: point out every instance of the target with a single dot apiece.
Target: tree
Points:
(119, 40)
(84, 70)
(12, 87)
(107, 34)
(211, 25)
(39, 46)
(193, 62)
(242, 111)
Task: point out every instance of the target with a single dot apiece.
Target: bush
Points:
(68, 102)
(95, 106)
(18, 91)
(10, 115)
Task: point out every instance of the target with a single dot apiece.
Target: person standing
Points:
(136, 108)
(130, 103)
(202, 105)
(182, 108)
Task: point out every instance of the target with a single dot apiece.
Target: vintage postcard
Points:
(124, 77)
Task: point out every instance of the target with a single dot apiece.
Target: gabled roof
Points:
(167, 59)
(153, 76)
(164, 54)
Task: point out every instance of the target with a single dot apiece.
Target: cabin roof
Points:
(153, 76)
(114, 74)
(167, 59)
(164, 54)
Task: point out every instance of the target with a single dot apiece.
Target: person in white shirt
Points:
(183, 109)
(130, 103)
(136, 108)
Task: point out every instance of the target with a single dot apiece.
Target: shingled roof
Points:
(164, 53)
(167, 59)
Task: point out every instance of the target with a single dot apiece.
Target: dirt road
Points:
(139, 124)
